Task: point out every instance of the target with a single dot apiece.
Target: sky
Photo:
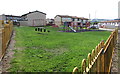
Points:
(101, 9)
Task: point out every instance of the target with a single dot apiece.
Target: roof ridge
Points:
(33, 12)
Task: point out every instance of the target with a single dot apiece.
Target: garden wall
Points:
(24, 23)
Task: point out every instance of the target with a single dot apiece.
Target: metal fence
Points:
(99, 61)
(5, 35)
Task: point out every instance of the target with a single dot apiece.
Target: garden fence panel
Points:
(101, 58)
(0, 42)
(5, 35)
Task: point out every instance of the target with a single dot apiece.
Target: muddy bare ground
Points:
(115, 59)
(5, 62)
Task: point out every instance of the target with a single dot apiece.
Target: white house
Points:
(109, 24)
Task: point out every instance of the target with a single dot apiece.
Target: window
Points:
(73, 19)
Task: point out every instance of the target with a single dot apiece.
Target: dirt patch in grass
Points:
(57, 51)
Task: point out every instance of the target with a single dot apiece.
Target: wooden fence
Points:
(5, 35)
(100, 60)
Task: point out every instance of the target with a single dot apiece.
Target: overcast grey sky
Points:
(106, 9)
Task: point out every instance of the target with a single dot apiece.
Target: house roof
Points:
(12, 16)
(112, 21)
(67, 16)
(33, 12)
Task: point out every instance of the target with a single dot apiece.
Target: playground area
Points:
(79, 27)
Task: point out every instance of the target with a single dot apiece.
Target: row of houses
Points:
(37, 18)
(34, 18)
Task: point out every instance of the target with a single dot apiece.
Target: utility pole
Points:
(95, 14)
(89, 15)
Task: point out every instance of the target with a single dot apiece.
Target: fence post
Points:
(83, 65)
(75, 70)
(3, 41)
(93, 55)
(89, 62)
(96, 50)
(102, 57)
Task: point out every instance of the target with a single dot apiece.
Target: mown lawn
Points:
(54, 51)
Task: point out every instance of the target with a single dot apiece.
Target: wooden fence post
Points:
(89, 60)
(83, 65)
(93, 55)
(96, 50)
(75, 70)
(102, 57)
(3, 41)
(89, 63)
(102, 61)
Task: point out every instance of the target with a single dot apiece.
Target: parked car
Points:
(93, 27)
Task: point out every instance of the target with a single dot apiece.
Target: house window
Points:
(78, 19)
(73, 19)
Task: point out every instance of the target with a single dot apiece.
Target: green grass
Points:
(54, 51)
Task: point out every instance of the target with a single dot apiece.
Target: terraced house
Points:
(61, 19)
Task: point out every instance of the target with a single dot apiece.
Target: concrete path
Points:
(119, 51)
(5, 62)
(116, 57)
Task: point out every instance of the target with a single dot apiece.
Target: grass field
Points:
(54, 51)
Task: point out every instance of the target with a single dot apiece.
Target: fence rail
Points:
(101, 57)
(5, 34)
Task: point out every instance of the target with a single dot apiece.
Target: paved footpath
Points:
(115, 69)
(5, 62)
(119, 52)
